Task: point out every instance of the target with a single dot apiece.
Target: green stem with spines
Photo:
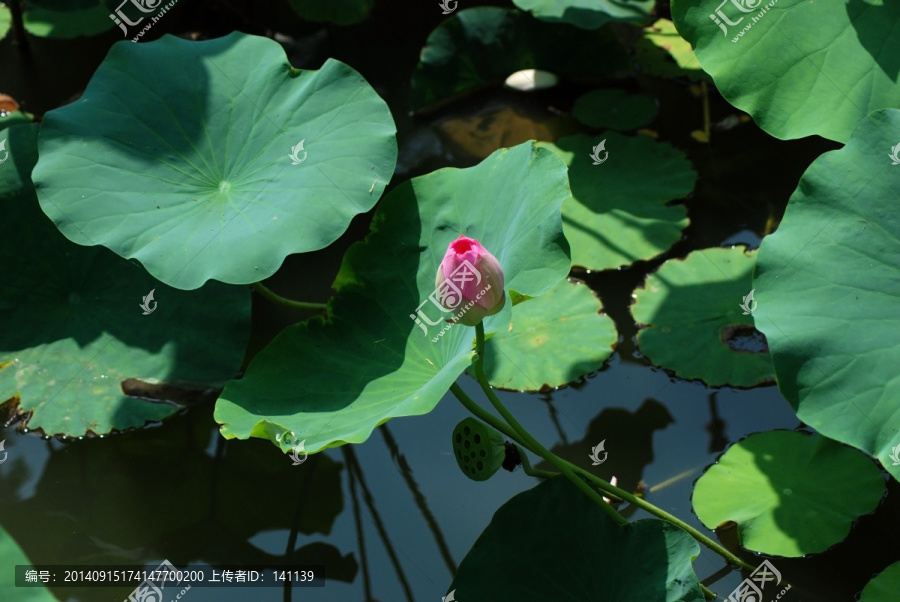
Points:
(531, 442)
(516, 432)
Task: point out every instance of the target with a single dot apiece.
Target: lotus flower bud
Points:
(470, 281)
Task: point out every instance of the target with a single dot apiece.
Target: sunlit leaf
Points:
(826, 284)
(213, 160)
(790, 493)
(332, 381)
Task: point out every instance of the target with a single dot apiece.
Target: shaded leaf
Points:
(483, 46)
(11, 555)
(615, 109)
(619, 211)
(552, 543)
(587, 14)
(884, 587)
(72, 327)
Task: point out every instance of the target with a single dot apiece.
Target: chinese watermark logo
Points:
(595, 454)
(447, 10)
(750, 589)
(1, 450)
(150, 589)
(596, 154)
(449, 597)
(449, 294)
(146, 7)
(296, 448)
(295, 159)
(146, 303)
(749, 304)
(895, 454)
(6, 153)
(894, 155)
(745, 7)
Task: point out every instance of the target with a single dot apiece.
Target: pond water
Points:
(408, 515)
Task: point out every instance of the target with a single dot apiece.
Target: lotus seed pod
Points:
(479, 449)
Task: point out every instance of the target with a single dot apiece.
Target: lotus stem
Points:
(521, 436)
(276, 298)
(531, 442)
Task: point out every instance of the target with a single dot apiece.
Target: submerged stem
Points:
(276, 298)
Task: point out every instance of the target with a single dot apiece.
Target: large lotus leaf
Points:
(332, 381)
(618, 213)
(661, 51)
(11, 555)
(65, 19)
(483, 46)
(340, 12)
(552, 543)
(587, 14)
(614, 108)
(693, 323)
(825, 283)
(552, 340)
(790, 493)
(798, 67)
(177, 155)
(884, 587)
(72, 329)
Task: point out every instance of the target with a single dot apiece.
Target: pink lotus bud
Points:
(469, 281)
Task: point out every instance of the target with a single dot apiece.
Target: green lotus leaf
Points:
(554, 339)
(11, 555)
(825, 282)
(693, 323)
(662, 52)
(213, 160)
(332, 381)
(483, 46)
(340, 12)
(5, 21)
(790, 493)
(19, 142)
(619, 211)
(72, 327)
(69, 18)
(615, 109)
(553, 543)
(15, 118)
(587, 14)
(794, 79)
(884, 587)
